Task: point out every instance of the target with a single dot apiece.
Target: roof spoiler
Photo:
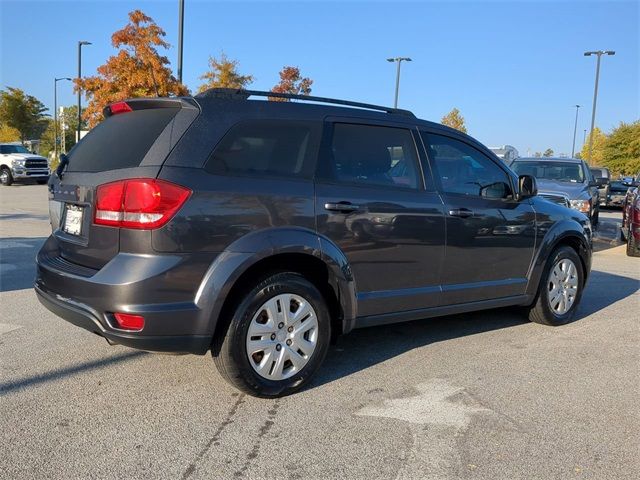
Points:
(131, 104)
(240, 94)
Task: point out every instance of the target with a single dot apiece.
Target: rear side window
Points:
(373, 155)
(267, 148)
(120, 141)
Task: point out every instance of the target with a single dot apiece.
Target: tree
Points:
(548, 153)
(22, 112)
(537, 154)
(138, 70)
(455, 120)
(599, 139)
(291, 81)
(8, 134)
(621, 151)
(223, 73)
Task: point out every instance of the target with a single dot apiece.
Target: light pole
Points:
(584, 137)
(599, 53)
(80, 44)
(180, 37)
(398, 60)
(55, 115)
(575, 127)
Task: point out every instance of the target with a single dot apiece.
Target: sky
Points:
(514, 69)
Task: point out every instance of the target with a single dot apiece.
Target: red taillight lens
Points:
(120, 107)
(143, 203)
(127, 321)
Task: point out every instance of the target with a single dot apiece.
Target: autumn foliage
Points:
(455, 120)
(223, 73)
(137, 70)
(291, 81)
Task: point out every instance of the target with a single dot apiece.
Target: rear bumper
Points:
(81, 316)
(161, 288)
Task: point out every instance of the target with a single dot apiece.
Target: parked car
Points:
(228, 224)
(617, 193)
(630, 229)
(566, 181)
(603, 177)
(17, 164)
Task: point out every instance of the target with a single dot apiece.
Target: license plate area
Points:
(73, 219)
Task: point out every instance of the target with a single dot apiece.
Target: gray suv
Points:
(566, 181)
(263, 230)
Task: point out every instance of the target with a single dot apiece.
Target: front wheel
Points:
(5, 176)
(560, 288)
(277, 338)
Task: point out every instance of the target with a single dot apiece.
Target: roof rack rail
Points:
(240, 94)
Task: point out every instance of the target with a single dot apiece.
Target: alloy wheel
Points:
(562, 286)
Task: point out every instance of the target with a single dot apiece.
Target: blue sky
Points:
(514, 69)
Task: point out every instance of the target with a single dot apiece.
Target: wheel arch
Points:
(261, 253)
(563, 233)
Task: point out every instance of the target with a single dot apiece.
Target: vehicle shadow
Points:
(365, 348)
(17, 262)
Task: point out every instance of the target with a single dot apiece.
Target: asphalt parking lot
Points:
(486, 395)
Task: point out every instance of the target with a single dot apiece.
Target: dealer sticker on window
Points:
(73, 220)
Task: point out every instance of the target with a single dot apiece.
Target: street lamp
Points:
(180, 37)
(398, 60)
(599, 53)
(80, 44)
(575, 126)
(55, 114)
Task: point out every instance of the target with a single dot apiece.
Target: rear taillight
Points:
(142, 203)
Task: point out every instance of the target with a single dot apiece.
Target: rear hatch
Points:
(132, 142)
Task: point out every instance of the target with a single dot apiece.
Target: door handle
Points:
(461, 212)
(343, 207)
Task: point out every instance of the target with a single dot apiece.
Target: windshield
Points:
(558, 171)
(13, 149)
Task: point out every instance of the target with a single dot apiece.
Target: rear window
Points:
(120, 141)
(267, 148)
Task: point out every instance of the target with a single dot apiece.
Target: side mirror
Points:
(527, 187)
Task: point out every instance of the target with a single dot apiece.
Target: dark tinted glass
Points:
(13, 149)
(120, 141)
(266, 147)
(374, 155)
(463, 169)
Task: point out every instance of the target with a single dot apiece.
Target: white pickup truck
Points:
(18, 164)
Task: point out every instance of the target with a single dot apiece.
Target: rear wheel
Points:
(277, 338)
(5, 176)
(560, 288)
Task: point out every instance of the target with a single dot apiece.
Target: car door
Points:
(371, 201)
(490, 235)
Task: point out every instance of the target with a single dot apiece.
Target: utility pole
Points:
(575, 127)
(599, 53)
(398, 60)
(80, 44)
(180, 37)
(55, 115)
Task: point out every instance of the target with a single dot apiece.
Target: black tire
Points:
(633, 249)
(540, 311)
(6, 178)
(229, 349)
(42, 182)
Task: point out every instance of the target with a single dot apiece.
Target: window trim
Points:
(325, 155)
(423, 131)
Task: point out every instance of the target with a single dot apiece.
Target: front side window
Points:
(374, 155)
(266, 148)
(462, 169)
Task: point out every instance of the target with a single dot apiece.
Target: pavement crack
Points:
(216, 436)
(264, 429)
